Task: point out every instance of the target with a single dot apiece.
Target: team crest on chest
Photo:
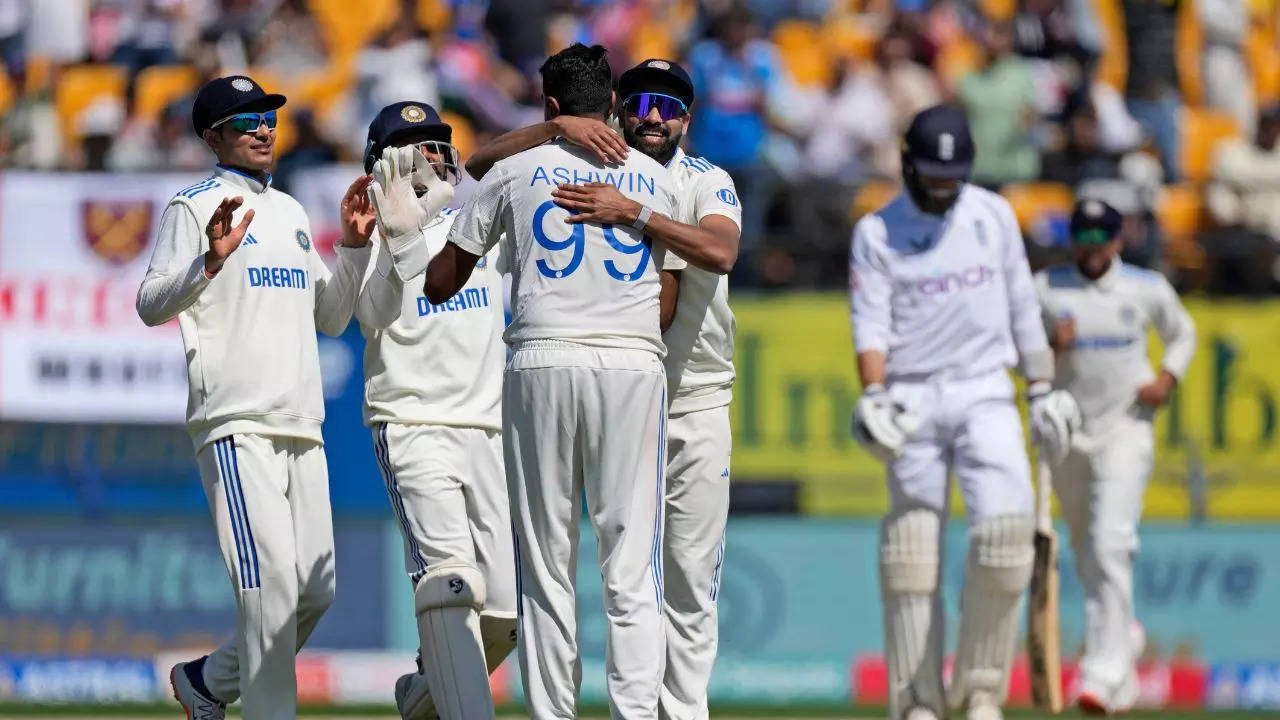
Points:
(1128, 315)
(304, 242)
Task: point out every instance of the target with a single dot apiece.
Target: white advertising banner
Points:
(73, 248)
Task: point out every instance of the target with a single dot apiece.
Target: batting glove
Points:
(1055, 418)
(880, 425)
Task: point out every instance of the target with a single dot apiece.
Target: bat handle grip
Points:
(1044, 490)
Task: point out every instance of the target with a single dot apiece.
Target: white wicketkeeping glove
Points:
(1055, 418)
(402, 215)
(880, 425)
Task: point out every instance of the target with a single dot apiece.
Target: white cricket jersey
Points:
(1108, 362)
(948, 296)
(433, 364)
(699, 342)
(250, 332)
(588, 284)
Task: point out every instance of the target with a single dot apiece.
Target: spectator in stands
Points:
(910, 86)
(143, 31)
(165, 145)
(735, 76)
(98, 126)
(32, 138)
(309, 150)
(1082, 157)
(14, 18)
(1151, 87)
(291, 44)
(396, 66)
(1228, 85)
(1245, 193)
(999, 99)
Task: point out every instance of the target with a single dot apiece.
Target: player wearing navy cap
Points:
(249, 295)
(1098, 311)
(942, 304)
(433, 388)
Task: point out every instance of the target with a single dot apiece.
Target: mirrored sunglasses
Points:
(248, 122)
(669, 108)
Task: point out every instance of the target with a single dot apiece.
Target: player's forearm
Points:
(448, 272)
(668, 298)
(336, 295)
(1179, 343)
(871, 367)
(508, 144)
(710, 245)
(381, 296)
(163, 295)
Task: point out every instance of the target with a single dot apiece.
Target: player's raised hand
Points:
(357, 214)
(224, 237)
(1063, 335)
(595, 136)
(596, 202)
(439, 191)
(394, 200)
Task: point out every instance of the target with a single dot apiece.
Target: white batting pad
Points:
(913, 620)
(499, 636)
(996, 575)
(448, 601)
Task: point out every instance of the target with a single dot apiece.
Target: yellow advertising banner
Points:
(1218, 452)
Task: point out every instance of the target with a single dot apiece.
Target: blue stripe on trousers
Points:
(248, 526)
(233, 510)
(656, 558)
(382, 450)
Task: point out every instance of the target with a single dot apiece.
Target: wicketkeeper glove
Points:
(402, 214)
(880, 425)
(1055, 418)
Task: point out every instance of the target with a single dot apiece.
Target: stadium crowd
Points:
(1165, 107)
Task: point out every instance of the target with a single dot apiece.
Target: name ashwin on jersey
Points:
(464, 300)
(623, 180)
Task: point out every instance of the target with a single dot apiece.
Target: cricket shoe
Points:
(1097, 701)
(413, 698)
(920, 712)
(195, 703)
(983, 705)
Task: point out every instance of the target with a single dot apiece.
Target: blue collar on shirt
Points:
(254, 179)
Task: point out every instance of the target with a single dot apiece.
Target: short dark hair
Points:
(580, 80)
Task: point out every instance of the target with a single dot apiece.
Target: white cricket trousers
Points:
(1100, 496)
(580, 419)
(697, 510)
(269, 496)
(448, 493)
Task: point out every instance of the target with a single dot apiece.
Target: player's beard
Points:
(662, 153)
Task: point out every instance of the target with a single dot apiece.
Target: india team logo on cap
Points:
(413, 114)
(1093, 209)
(242, 84)
(659, 64)
(304, 242)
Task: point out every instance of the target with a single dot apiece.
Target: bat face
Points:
(1043, 646)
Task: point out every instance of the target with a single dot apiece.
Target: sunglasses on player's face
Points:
(248, 122)
(669, 108)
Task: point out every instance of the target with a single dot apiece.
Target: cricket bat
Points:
(1044, 651)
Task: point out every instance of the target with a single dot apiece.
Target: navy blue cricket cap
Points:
(225, 96)
(402, 120)
(938, 143)
(1093, 222)
(656, 75)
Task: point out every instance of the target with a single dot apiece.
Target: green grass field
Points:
(150, 712)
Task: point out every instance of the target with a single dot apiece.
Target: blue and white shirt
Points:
(250, 332)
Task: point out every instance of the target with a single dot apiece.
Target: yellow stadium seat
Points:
(1113, 66)
(323, 90)
(1189, 46)
(958, 59)
(433, 15)
(1202, 129)
(464, 136)
(80, 85)
(803, 52)
(1264, 62)
(1034, 200)
(998, 9)
(348, 26)
(873, 195)
(159, 85)
(1180, 211)
(846, 38)
(7, 92)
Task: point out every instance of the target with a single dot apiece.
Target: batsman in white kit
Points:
(249, 297)
(654, 113)
(1098, 311)
(433, 387)
(943, 304)
(584, 404)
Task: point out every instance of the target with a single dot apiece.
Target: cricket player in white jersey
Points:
(654, 113)
(942, 304)
(433, 388)
(584, 404)
(1098, 311)
(249, 296)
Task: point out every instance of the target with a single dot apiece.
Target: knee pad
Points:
(447, 600)
(1001, 552)
(909, 552)
(499, 637)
